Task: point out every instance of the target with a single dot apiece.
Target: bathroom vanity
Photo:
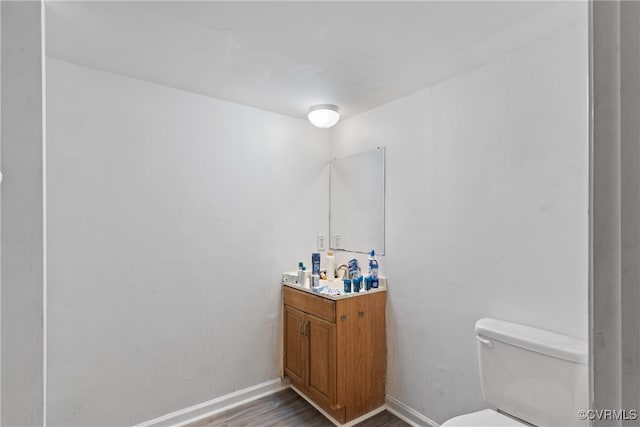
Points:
(335, 350)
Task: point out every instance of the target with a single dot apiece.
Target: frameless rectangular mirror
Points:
(356, 211)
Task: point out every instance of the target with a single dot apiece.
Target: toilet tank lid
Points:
(534, 339)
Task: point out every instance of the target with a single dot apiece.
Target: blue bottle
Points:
(315, 263)
(353, 268)
(347, 286)
(357, 284)
(367, 283)
(373, 269)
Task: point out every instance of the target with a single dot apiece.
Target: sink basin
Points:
(335, 283)
(331, 284)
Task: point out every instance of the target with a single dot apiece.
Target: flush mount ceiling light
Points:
(324, 115)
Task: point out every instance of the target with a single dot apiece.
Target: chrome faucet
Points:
(344, 267)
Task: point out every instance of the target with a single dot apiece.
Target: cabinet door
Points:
(294, 346)
(321, 381)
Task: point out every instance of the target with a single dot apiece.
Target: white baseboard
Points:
(222, 403)
(408, 414)
(240, 397)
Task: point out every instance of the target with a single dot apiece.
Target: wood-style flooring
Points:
(285, 408)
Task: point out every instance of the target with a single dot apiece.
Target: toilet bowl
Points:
(532, 376)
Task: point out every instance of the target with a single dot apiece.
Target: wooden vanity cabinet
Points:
(335, 350)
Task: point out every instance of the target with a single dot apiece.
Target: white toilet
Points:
(530, 375)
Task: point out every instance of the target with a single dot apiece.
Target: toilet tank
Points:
(535, 375)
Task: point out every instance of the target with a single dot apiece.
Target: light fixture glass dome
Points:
(324, 115)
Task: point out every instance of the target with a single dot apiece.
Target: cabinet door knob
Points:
(361, 314)
(343, 317)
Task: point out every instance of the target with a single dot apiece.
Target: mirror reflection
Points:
(356, 221)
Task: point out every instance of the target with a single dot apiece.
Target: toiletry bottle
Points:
(373, 269)
(331, 266)
(353, 268)
(300, 280)
(304, 277)
(315, 263)
(314, 281)
(347, 286)
(357, 284)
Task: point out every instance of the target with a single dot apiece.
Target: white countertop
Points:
(338, 284)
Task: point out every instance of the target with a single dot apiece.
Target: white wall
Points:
(487, 198)
(22, 215)
(170, 219)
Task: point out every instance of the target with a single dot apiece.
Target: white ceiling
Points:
(286, 56)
